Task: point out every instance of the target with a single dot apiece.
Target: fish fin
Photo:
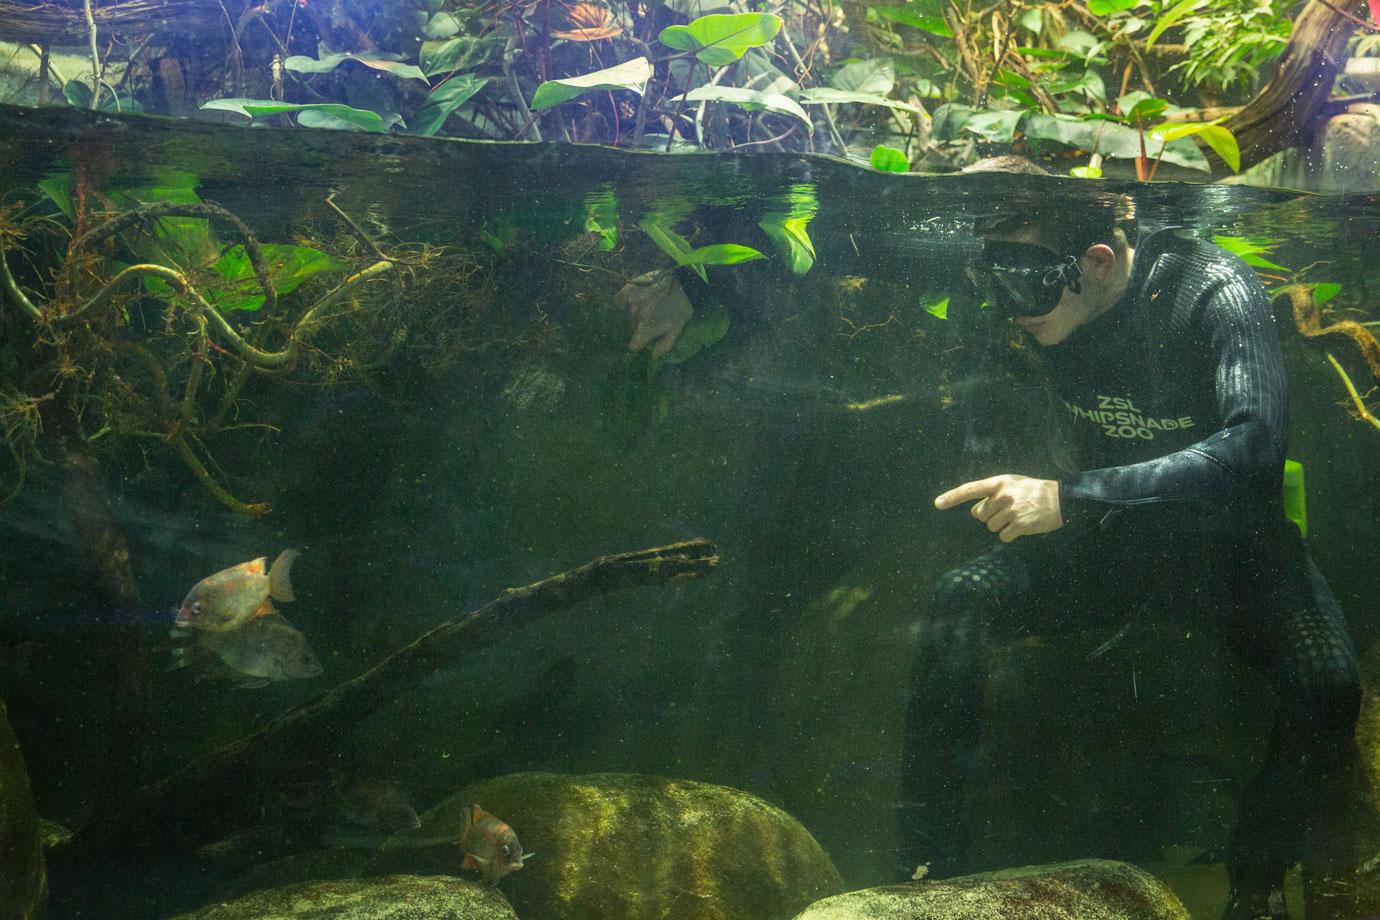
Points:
(280, 576)
(263, 610)
(477, 814)
(471, 862)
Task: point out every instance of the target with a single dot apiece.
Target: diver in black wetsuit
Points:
(1169, 366)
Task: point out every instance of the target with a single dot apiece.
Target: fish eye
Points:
(507, 850)
(196, 606)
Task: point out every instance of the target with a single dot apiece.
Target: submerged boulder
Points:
(1093, 889)
(396, 897)
(22, 879)
(631, 846)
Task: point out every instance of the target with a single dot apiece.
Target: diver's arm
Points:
(1238, 465)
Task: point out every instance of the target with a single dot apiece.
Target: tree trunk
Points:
(1287, 112)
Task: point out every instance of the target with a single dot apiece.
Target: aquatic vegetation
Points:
(230, 313)
(1305, 300)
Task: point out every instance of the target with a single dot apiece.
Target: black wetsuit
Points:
(1176, 397)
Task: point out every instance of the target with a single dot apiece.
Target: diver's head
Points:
(1054, 267)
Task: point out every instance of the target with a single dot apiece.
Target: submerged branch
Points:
(1308, 319)
(203, 475)
(1360, 404)
(222, 789)
(12, 290)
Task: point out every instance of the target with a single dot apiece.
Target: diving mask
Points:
(1027, 280)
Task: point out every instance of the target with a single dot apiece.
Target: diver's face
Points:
(1098, 289)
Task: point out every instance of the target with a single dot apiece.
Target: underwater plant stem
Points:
(355, 228)
(203, 475)
(221, 790)
(95, 56)
(680, 107)
(529, 123)
(802, 69)
(12, 290)
(204, 210)
(1351, 391)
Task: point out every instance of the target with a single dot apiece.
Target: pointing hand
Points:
(1010, 505)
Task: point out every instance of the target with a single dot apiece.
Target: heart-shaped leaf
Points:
(303, 64)
(631, 75)
(751, 100)
(889, 159)
(260, 108)
(1221, 140)
(443, 100)
(822, 95)
(722, 38)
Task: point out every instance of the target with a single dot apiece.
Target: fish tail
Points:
(280, 576)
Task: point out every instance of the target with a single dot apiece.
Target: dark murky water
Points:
(491, 427)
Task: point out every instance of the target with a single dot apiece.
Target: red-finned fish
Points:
(490, 845)
(234, 596)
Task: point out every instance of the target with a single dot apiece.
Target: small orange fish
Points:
(232, 597)
(490, 846)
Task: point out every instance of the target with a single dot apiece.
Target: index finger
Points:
(978, 488)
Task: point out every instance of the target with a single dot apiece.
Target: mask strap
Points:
(1065, 274)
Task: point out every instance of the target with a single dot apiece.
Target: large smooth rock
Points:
(631, 846)
(1093, 889)
(22, 880)
(396, 897)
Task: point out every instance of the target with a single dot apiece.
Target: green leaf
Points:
(463, 52)
(443, 100)
(1089, 82)
(751, 100)
(1107, 138)
(935, 25)
(827, 95)
(1086, 172)
(1221, 140)
(630, 75)
(58, 188)
(385, 62)
(288, 265)
(875, 76)
(441, 26)
(671, 242)
(709, 324)
(1141, 106)
(939, 308)
(601, 216)
(721, 254)
(1080, 44)
(260, 108)
(77, 94)
(1107, 7)
(998, 127)
(1325, 291)
(1249, 249)
(786, 222)
(889, 159)
(949, 119)
(719, 39)
(1033, 20)
(1175, 13)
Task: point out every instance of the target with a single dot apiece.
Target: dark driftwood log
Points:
(1287, 111)
(59, 21)
(222, 789)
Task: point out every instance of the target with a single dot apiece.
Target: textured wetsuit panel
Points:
(1177, 393)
